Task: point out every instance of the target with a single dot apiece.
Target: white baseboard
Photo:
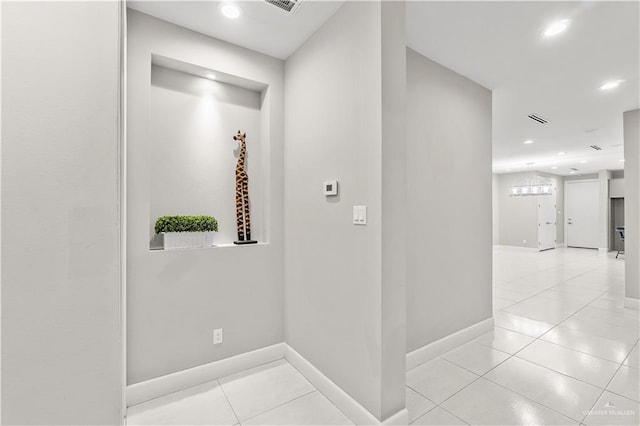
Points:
(155, 388)
(529, 249)
(398, 419)
(561, 245)
(437, 348)
(345, 403)
(631, 303)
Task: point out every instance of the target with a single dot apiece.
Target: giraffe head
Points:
(240, 136)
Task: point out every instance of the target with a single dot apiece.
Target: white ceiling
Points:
(497, 44)
(261, 27)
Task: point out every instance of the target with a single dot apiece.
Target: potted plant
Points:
(176, 232)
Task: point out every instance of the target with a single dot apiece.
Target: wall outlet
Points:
(217, 336)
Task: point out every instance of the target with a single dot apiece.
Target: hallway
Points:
(564, 349)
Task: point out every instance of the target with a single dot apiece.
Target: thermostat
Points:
(330, 187)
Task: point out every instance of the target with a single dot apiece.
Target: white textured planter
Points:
(181, 240)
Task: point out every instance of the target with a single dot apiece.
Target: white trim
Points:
(603, 249)
(561, 245)
(632, 303)
(0, 219)
(343, 401)
(437, 348)
(160, 386)
(529, 249)
(398, 419)
(122, 175)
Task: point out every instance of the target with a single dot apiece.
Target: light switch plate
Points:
(359, 215)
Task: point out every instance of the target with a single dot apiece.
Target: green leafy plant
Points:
(186, 224)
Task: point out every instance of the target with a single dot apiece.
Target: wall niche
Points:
(193, 115)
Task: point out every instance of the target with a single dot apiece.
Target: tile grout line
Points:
(607, 385)
(535, 338)
(280, 405)
(321, 393)
(442, 408)
(229, 402)
(566, 375)
(524, 347)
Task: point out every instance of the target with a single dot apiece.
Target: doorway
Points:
(617, 219)
(547, 221)
(582, 211)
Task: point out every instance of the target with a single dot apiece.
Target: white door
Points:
(581, 213)
(547, 221)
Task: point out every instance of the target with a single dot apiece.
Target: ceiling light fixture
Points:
(611, 84)
(534, 185)
(556, 28)
(554, 167)
(583, 161)
(572, 172)
(528, 142)
(231, 11)
(210, 76)
(622, 161)
(562, 153)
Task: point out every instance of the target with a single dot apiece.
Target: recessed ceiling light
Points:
(507, 170)
(562, 153)
(622, 161)
(611, 84)
(210, 76)
(591, 130)
(556, 28)
(528, 142)
(231, 11)
(572, 172)
(583, 161)
(554, 167)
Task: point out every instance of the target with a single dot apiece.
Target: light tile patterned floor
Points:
(273, 393)
(564, 351)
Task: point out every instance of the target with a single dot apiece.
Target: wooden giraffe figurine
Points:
(242, 194)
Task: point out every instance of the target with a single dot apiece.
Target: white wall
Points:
(394, 205)
(518, 215)
(604, 210)
(449, 203)
(176, 298)
(61, 348)
(495, 208)
(616, 188)
(193, 154)
(344, 285)
(632, 202)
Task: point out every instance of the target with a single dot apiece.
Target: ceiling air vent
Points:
(596, 147)
(574, 169)
(286, 5)
(539, 119)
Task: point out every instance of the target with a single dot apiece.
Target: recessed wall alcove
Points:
(193, 114)
(180, 159)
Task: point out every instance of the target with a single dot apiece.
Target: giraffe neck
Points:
(243, 152)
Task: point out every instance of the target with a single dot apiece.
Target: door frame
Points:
(122, 166)
(564, 216)
(554, 194)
